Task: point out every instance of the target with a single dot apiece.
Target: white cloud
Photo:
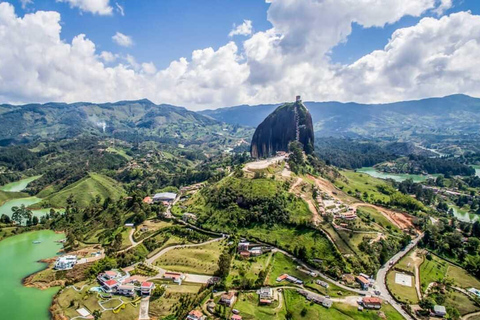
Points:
(100, 7)
(244, 29)
(25, 3)
(120, 9)
(443, 6)
(107, 56)
(122, 39)
(434, 57)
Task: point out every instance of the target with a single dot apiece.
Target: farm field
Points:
(199, 260)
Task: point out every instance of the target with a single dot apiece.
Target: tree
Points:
(21, 213)
(224, 264)
(34, 220)
(426, 303)
(5, 219)
(97, 314)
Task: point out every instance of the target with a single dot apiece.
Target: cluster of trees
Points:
(351, 154)
(461, 246)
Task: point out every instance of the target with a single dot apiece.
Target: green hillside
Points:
(86, 190)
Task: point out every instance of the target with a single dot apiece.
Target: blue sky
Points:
(164, 30)
(180, 51)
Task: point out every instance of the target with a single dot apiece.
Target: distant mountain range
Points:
(451, 115)
(142, 119)
(125, 119)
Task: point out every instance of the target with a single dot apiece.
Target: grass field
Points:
(165, 305)
(437, 268)
(295, 303)
(432, 271)
(120, 152)
(290, 238)
(362, 182)
(199, 260)
(246, 269)
(402, 293)
(281, 264)
(463, 303)
(249, 308)
(86, 190)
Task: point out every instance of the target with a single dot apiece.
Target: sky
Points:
(216, 53)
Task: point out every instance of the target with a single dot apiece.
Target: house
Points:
(236, 317)
(439, 311)
(327, 303)
(255, 252)
(65, 262)
(175, 276)
(129, 225)
(108, 275)
(110, 285)
(294, 280)
(364, 283)
(372, 302)
(164, 196)
(322, 283)
(195, 315)
(147, 288)
(126, 290)
(265, 293)
(282, 277)
(227, 299)
(243, 246)
(245, 254)
(147, 200)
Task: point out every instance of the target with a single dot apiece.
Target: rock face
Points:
(289, 122)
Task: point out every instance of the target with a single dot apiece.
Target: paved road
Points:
(382, 273)
(144, 304)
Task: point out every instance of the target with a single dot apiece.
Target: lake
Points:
(19, 185)
(18, 259)
(399, 177)
(6, 208)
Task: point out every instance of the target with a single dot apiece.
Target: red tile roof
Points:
(362, 280)
(196, 313)
(111, 283)
(147, 284)
(372, 300)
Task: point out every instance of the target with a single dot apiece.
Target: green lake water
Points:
(6, 208)
(18, 259)
(19, 185)
(397, 177)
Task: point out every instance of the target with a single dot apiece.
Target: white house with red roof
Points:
(147, 288)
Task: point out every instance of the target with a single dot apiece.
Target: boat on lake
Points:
(36, 242)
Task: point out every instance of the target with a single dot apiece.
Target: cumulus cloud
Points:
(438, 56)
(244, 29)
(100, 7)
(122, 39)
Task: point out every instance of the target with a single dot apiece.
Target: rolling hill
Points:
(451, 115)
(85, 190)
